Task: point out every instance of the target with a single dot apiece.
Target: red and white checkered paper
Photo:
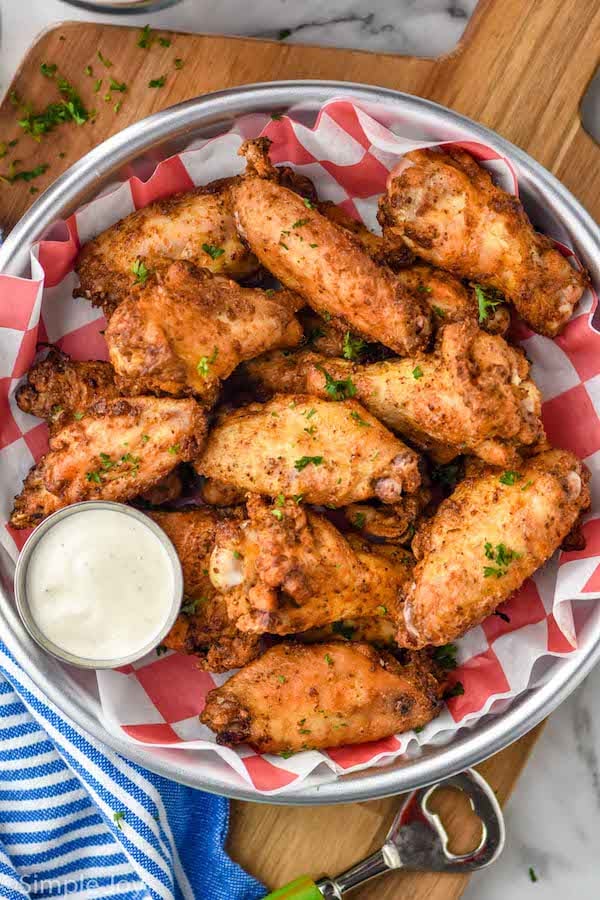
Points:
(348, 153)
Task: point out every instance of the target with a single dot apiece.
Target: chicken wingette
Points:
(301, 697)
(473, 394)
(203, 627)
(286, 569)
(195, 225)
(325, 264)
(446, 208)
(119, 449)
(491, 534)
(330, 453)
(188, 329)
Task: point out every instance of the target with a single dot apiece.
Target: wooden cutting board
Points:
(521, 68)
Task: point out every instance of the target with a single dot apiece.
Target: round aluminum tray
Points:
(74, 691)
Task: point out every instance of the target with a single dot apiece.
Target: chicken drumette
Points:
(188, 329)
(446, 208)
(203, 627)
(330, 453)
(300, 697)
(472, 394)
(117, 450)
(286, 569)
(491, 534)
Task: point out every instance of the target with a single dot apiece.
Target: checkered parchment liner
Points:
(348, 154)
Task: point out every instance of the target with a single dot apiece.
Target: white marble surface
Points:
(553, 818)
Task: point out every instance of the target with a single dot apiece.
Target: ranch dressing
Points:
(100, 585)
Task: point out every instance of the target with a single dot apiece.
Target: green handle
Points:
(301, 889)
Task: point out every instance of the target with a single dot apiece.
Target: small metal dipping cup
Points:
(21, 584)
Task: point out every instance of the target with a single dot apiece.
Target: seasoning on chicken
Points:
(446, 208)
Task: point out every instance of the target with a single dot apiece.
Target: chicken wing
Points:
(446, 208)
(326, 265)
(203, 627)
(59, 388)
(196, 225)
(330, 453)
(473, 394)
(389, 523)
(287, 569)
(188, 329)
(491, 534)
(119, 449)
(301, 697)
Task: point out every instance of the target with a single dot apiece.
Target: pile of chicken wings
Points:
(344, 448)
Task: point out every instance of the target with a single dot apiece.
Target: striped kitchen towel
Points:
(78, 820)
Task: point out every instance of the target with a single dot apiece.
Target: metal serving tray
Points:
(74, 691)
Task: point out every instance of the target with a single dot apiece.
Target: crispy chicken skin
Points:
(194, 226)
(188, 329)
(446, 208)
(379, 630)
(287, 569)
(58, 387)
(298, 697)
(485, 540)
(119, 449)
(472, 394)
(326, 265)
(203, 627)
(388, 523)
(331, 453)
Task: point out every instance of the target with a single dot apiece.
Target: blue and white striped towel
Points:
(78, 820)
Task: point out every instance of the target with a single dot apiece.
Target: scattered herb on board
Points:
(89, 71)
(13, 174)
(305, 461)
(140, 271)
(48, 69)
(69, 109)
(352, 347)
(158, 82)
(105, 62)
(205, 362)
(178, 62)
(213, 252)
(283, 34)
(532, 875)
(338, 389)
(118, 86)
(164, 42)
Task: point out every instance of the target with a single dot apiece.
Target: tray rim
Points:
(98, 164)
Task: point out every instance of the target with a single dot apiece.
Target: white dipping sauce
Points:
(100, 584)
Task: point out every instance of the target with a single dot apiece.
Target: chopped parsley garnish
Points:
(213, 252)
(417, 372)
(56, 410)
(178, 62)
(106, 464)
(487, 301)
(276, 116)
(457, 691)
(205, 362)
(118, 86)
(311, 430)
(352, 346)
(439, 312)
(305, 461)
(285, 754)
(13, 175)
(313, 245)
(190, 607)
(164, 42)
(309, 413)
(328, 659)
(118, 818)
(78, 416)
(89, 71)
(345, 630)
(140, 271)
(145, 438)
(502, 556)
(105, 62)
(283, 34)
(308, 203)
(359, 520)
(279, 500)
(510, 477)
(278, 513)
(174, 449)
(69, 109)
(359, 419)
(48, 69)
(281, 679)
(158, 82)
(146, 38)
(93, 476)
(3, 149)
(298, 498)
(527, 485)
(300, 222)
(418, 729)
(237, 554)
(117, 106)
(285, 246)
(532, 876)
(445, 656)
(338, 389)
(382, 610)
(97, 85)
(424, 288)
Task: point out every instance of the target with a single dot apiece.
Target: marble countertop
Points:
(553, 818)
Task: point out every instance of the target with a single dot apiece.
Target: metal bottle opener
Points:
(417, 841)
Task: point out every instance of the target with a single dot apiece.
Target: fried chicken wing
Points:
(188, 329)
(490, 535)
(326, 265)
(446, 208)
(195, 225)
(119, 449)
(58, 387)
(287, 569)
(203, 627)
(331, 453)
(473, 394)
(389, 523)
(299, 697)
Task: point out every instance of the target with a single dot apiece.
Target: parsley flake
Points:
(178, 62)
(205, 362)
(281, 679)
(382, 610)
(164, 42)
(328, 659)
(509, 477)
(105, 62)
(78, 416)
(352, 346)
(532, 876)
(278, 514)
(338, 389)
(158, 82)
(48, 69)
(118, 818)
(213, 252)
(146, 38)
(121, 87)
(487, 301)
(359, 420)
(359, 520)
(417, 373)
(308, 203)
(305, 461)
(174, 449)
(140, 271)
(439, 312)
